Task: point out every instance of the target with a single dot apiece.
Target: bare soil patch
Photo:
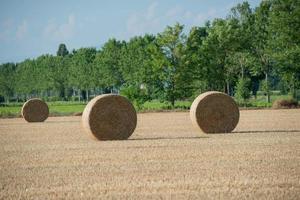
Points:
(166, 157)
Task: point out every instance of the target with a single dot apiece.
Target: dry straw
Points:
(285, 103)
(109, 117)
(214, 112)
(35, 110)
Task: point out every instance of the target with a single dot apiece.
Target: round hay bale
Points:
(35, 110)
(215, 112)
(109, 117)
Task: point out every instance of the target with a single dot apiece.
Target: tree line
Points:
(251, 49)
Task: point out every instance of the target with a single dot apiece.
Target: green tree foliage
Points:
(284, 36)
(83, 74)
(62, 50)
(7, 80)
(140, 77)
(28, 79)
(261, 43)
(108, 65)
(222, 42)
(172, 43)
(194, 60)
(243, 91)
(58, 70)
(249, 49)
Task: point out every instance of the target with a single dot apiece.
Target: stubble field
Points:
(164, 158)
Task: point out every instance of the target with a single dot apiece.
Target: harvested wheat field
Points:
(164, 158)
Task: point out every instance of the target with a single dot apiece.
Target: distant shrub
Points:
(53, 98)
(8, 114)
(285, 103)
(243, 92)
(77, 114)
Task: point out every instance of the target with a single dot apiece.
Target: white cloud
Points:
(153, 20)
(188, 14)
(4, 34)
(10, 30)
(139, 23)
(6, 29)
(61, 31)
(22, 30)
(187, 17)
(133, 24)
(200, 18)
(7, 23)
(151, 11)
(174, 12)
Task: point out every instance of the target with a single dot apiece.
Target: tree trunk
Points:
(87, 95)
(242, 72)
(173, 100)
(73, 94)
(79, 94)
(267, 89)
(294, 93)
(173, 93)
(62, 92)
(228, 88)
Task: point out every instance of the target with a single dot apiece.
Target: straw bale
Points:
(35, 110)
(214, 112)
(109, 117)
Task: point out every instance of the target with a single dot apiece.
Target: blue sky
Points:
(29, 28)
